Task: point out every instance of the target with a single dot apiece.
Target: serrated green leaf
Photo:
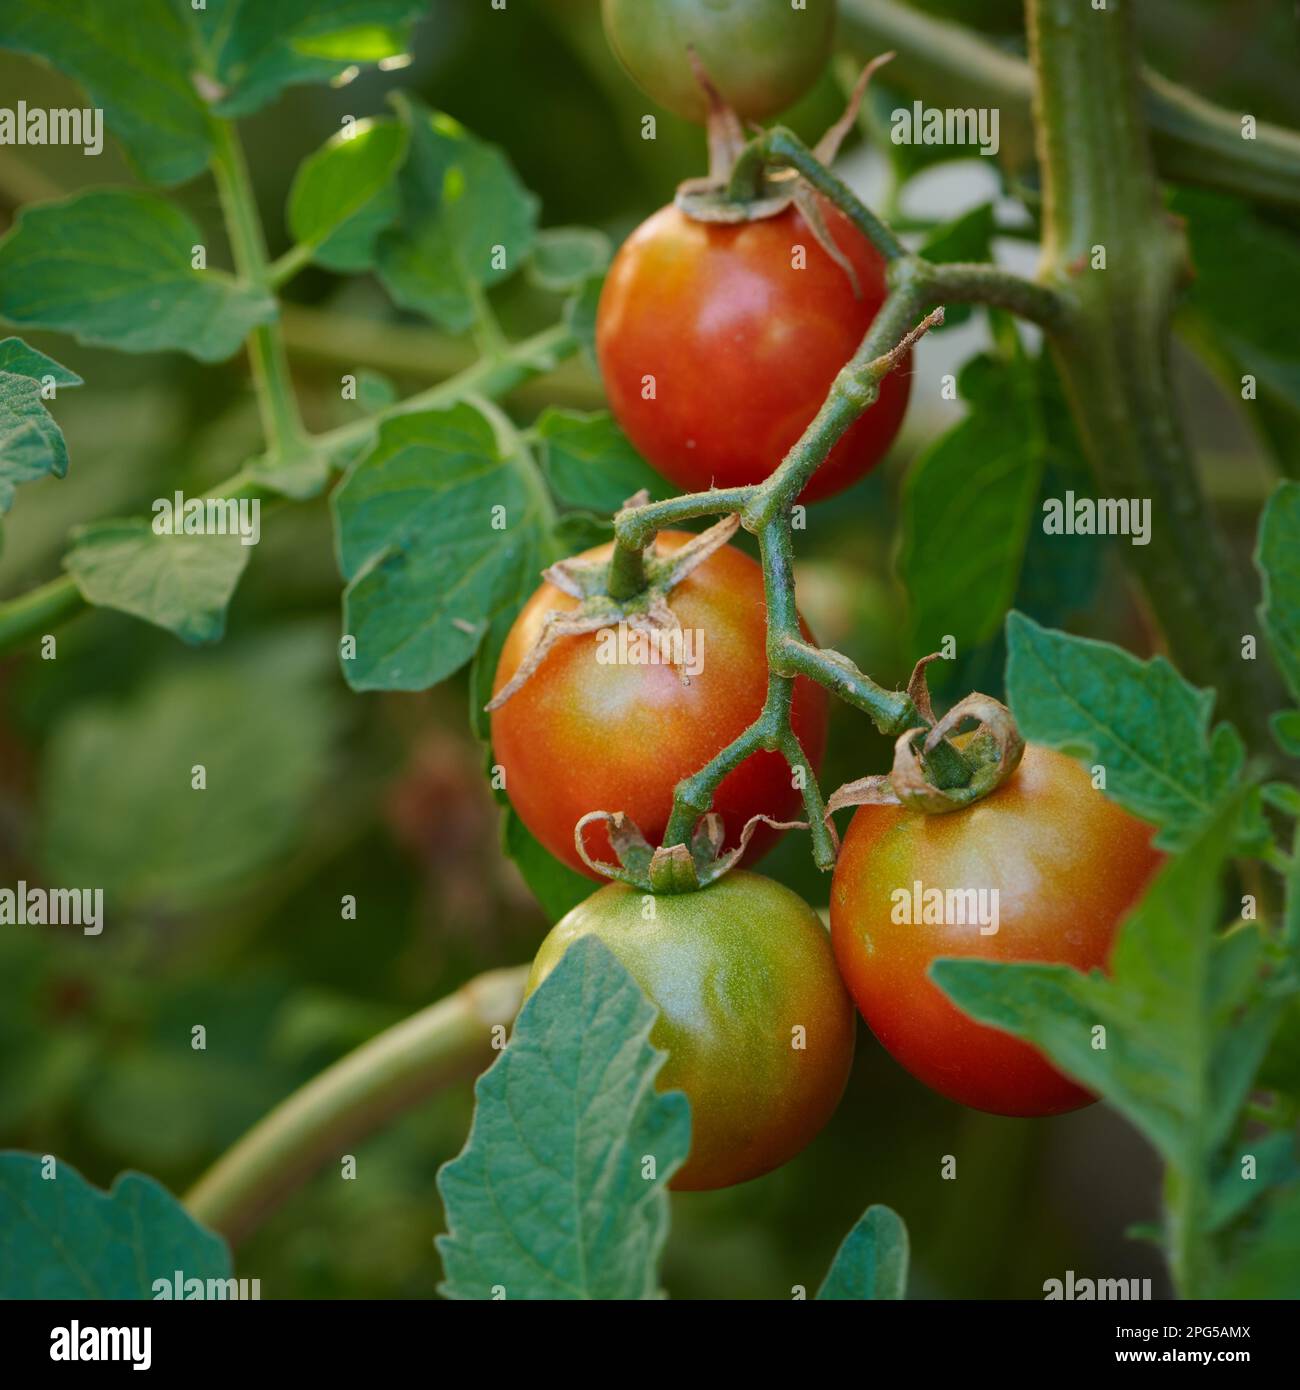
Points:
(565, 258)
(466, 221)
(139, 73)
(267, 45)
(31, 442)
(179, 582)
(64, 1238)
(345, 194)
(556, 887)
(1140, 720)
(968, 506)
(426, 569)
(154, 838)
(1278, 559)
(115, 268)
(549, 1198)
(590, 462)
(872, 1260)
(1186, 1021)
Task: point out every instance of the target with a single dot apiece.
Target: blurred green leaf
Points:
(31, 442)
(1140, 720)
(580, 316)
(466, 221)
(345, 194)
(426, 567)
(67, 1239)
(260, 47)
(555, 886)
(138, 72)
(1267, 1262)
(153, 838)
(565, 258)
(590, 462)
(549, 1198)
(182, 583)
(1185, 1017)
(1278, 560)
(115, 268)
(968, 507)
(872, 1261)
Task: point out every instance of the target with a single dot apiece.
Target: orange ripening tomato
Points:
(584, 734)
(717, 350)
(1066, 864)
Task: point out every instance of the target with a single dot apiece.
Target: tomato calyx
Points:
(712, 198)
(993, 751)
(669, 868)
(647, 610)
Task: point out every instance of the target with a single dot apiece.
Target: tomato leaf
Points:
(550, 1199)
(872, 1260)
(157, 839)
(67, 1239)
(139, 73)
(258, 48)
(1138, 720)
(345, 194)
(31, 442)
(115, 268)
(426, 567)
(565, 258)
(1278, 559)
(590, 462)
(179, 582)
(466, 221)
(966, 238)
(1185, 1020)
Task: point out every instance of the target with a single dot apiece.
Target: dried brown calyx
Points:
(993, 750)
(648, 611)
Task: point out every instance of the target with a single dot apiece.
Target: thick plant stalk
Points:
(1117, 260)
(444, 1043)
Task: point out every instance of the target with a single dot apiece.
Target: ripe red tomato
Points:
(1067, 865)
(734, 970)
(762, 55)
(583, 736)
(717, 353)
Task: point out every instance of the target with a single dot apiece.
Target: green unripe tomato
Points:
(762, 55)
(757, 1025)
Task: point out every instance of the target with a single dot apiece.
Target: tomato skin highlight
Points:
(583, 736)
(733, 970)
(1068, 865)
(742, 347)
(762, 55)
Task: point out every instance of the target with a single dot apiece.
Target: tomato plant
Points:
(1055, 868)
(755, 1020)
(762, 54)
(586, 734)
(719, 343)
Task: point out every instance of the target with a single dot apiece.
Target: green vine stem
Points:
(449, 1041)
(1193, 140)
(1099, 191)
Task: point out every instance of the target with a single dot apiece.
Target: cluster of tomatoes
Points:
(718, 344)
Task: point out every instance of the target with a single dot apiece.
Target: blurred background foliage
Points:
(224, 909)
